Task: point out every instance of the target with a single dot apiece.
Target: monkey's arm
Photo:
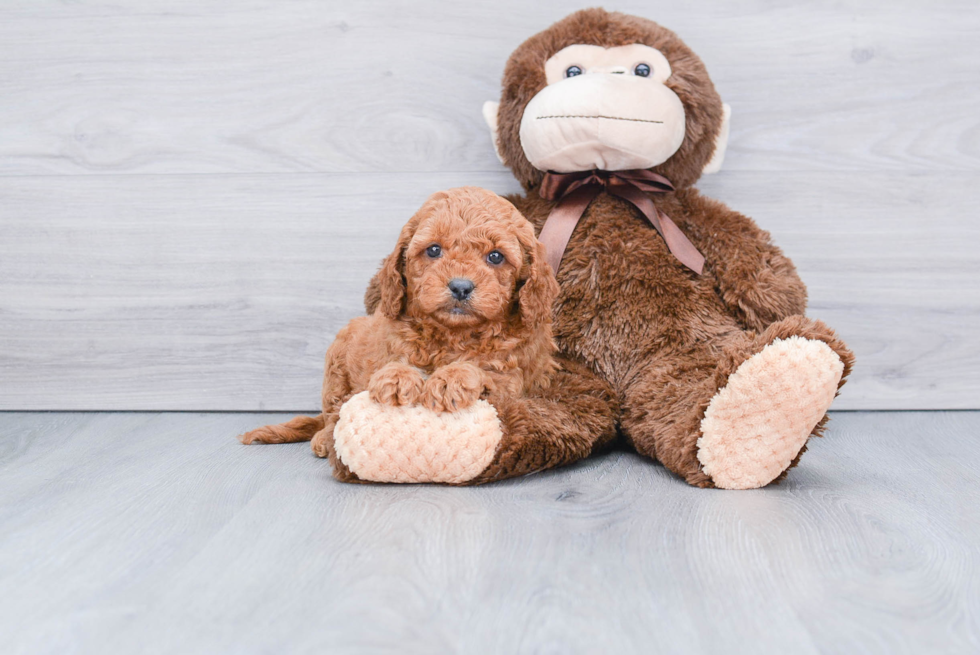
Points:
(756, 281)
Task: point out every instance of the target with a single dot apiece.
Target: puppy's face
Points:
(462, 265)
(467, 258)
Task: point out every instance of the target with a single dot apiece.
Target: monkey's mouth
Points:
(608, 118)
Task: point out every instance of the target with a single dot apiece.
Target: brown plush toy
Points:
(683, 306)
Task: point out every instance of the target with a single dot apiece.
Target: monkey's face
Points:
(603, 108)
(604, 90)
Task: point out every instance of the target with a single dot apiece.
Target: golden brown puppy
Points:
(464, 314)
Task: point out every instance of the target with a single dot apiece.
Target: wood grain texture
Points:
(160, 533)
(223, 292)
(193, 195)
(181, 86)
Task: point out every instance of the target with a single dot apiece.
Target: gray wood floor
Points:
(150, 532)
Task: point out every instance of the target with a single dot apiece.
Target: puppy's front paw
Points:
(396, 384)
(453, 387)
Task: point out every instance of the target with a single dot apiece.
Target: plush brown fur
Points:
(664, 338)
(424, 346)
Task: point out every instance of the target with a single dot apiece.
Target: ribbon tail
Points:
(561, 222)
(646, 180)
(678, 244)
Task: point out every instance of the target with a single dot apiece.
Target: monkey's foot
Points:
(380, 443)
(756, 425)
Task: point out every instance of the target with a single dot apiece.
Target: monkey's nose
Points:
(461, 288)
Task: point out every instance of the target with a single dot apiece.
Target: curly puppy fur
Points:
(426, 345)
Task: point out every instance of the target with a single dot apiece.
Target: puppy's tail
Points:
(301, 428)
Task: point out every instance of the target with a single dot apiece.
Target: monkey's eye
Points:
(434, 251)
(495, 258)
(642, 70)
(572, 71)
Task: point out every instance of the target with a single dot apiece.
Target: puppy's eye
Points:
(642, 70)
(434, 251)
(496, 258)
(572, 71)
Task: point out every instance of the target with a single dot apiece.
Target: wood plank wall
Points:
(193, 194)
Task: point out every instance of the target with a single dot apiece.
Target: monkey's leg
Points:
(481, 443)
(738, 415)
(562, 424)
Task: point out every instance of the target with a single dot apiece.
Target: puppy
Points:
(464, 314)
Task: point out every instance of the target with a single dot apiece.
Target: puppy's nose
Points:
(461, 288)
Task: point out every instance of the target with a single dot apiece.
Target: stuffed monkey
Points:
(684, 307)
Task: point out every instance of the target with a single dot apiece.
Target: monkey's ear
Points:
(490, 109)
(721, 143)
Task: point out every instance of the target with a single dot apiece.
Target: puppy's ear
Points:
(538, 287)
(372, 297)
(388, 286)
(390, 279)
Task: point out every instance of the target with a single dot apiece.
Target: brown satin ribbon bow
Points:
(574, 192)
